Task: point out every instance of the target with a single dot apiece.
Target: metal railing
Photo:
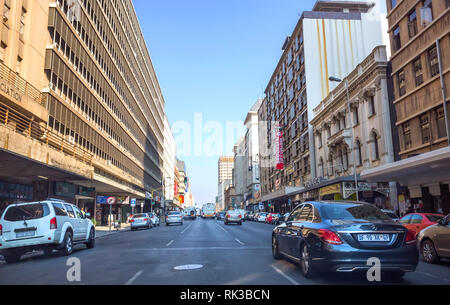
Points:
(20, 84)
(28, 127)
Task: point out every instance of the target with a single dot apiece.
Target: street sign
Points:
(111, 200)
(133, 202)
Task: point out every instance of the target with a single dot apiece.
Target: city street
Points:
(229, 255)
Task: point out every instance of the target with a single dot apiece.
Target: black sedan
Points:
(342, 237)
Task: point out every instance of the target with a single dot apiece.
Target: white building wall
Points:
(334, 47)
(169, 161)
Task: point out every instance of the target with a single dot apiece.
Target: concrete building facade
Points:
(420, 40)
(328, 41)
(82, 113)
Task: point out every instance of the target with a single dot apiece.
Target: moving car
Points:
(141, 221)
(261, 217)
(434, 241)
(190, 213)
(154, 219)
(220, 215)
(342, 237)
(282, 218)
(46, 225)
(174, 217)
(416, 222)
(243, 212)
(233, 216)
(209, 211)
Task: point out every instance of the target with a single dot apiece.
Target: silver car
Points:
(154, 219)
(233, 216)
(174, 217)
(140, 221)
(434, 241)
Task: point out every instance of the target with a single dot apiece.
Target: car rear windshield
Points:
(350, 212)
(27, 212)
(174, 214)
(139, 216)
(434, 218)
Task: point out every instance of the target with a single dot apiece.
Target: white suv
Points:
(46, 225)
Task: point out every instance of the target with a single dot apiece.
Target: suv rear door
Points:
(74, 221)
(82, 222)
(26, 221)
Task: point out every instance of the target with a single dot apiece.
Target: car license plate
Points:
(374, 237)
(25, 234)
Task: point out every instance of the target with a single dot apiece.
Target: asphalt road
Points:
(229, 255)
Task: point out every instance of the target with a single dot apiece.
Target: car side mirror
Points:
(87, 215)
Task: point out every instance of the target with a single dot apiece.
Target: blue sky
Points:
(214, 57)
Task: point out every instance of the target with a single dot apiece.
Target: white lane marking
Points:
(222, 228)
(170, 242)
(240, 242)
(285, 275)
(186, 229)
(134, 278)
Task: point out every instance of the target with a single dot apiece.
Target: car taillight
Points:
(145, 219)
(131, 220)
(53, 224)
(410, 238)
(240, 216)
(228, 216)
(1, 230)
(330, 237)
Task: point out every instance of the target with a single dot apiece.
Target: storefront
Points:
(113, 208)
(11, 192)
(425, 178)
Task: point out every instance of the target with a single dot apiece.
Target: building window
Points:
(345, 159)
(319, 139)
(396, 39)
(22, 21)
(425, 128)
(371, 105)
(433, 61)
(401, 83)
(355, 116)
(2, 51)
(412, 24)
(427, 11)
(6, 10)
(19, 64)
(440, 122)
(375, 149)
(393, 3)
(418, 73)
(358, 153)
(321, 169)
(406, 135)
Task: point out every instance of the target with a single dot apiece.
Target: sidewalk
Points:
(104, 231)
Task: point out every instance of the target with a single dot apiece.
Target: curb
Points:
(111, 233)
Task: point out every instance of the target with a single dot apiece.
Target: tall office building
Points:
(225, 168)
(82, 114)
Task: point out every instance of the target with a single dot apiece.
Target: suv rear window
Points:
(27, 212)
(174, 214)
(59, 209)
(140, 216)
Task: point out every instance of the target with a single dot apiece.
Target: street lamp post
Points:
(335, 79)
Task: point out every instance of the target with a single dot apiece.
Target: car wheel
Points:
(12, 257)
(429, 252)
(68, 244)
(305, 264)
(91, 241)
(275, 250)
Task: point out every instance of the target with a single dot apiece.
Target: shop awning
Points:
(427, 168)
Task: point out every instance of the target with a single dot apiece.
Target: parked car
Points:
(233, 216)
(155, 219)
(249, 216)
(174, 217)
(434, 241)
(242, 214)
(46, 225)
(141, 221)
(220, 215)
(391, 214)
(261, 217)
(416, 222)
(342, 237)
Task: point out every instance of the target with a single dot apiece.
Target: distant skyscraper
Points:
(226, 165)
